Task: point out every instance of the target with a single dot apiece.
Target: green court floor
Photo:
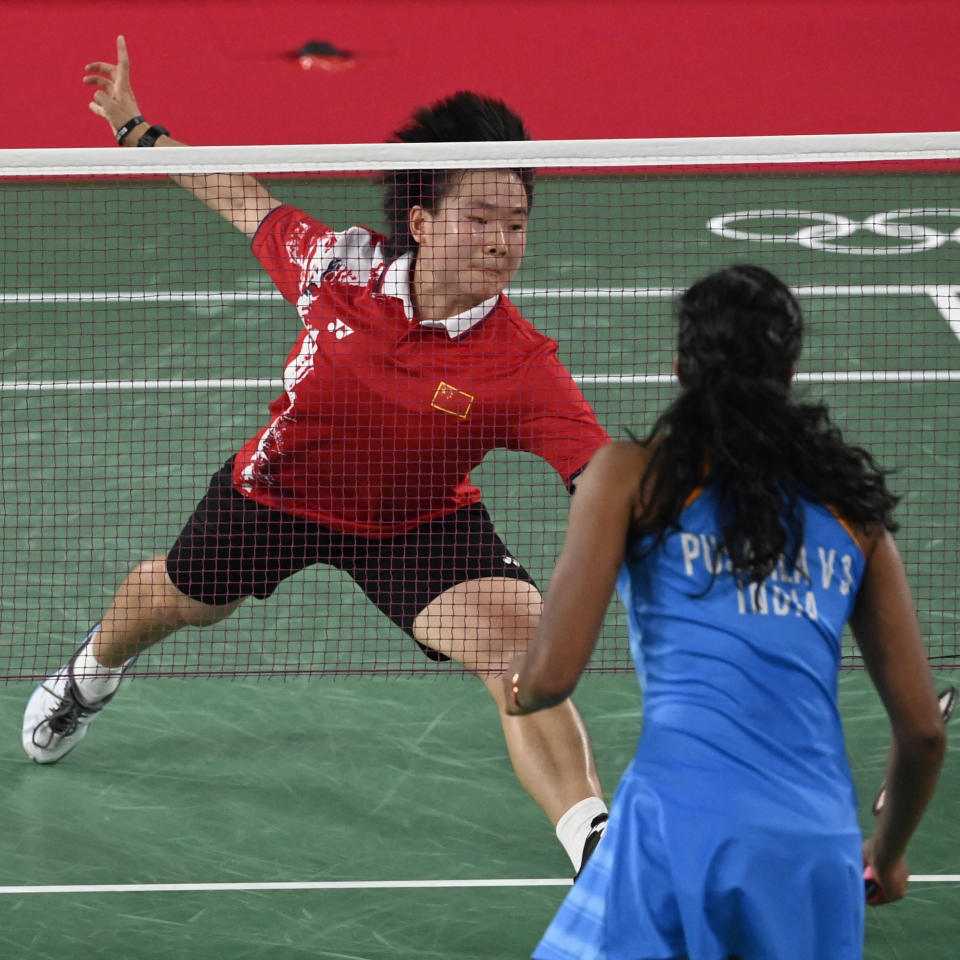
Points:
(306, 741)
(188, 782)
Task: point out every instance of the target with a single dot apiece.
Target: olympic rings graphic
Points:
(818, 230)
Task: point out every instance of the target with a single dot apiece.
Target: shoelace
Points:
(63, 720)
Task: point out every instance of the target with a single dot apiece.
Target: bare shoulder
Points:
(621, 455)
(867, 535)
(617, 466)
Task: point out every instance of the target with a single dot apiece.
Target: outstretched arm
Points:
(238, 198)
(601, 512)
(886, 629)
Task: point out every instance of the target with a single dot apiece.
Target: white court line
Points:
(141, 296)
(33, 386)
(825, 376)
(544, 293)
(946, 298)
(283, 885)
(335, 885)
(819, 376)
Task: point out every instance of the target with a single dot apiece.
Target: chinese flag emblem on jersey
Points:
(451, 400)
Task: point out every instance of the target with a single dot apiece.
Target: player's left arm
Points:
(885, 626)
(601, 512)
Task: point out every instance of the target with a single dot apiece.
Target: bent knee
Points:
(172, 604)
(482, 624)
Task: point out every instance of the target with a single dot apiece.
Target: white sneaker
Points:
(56, 719)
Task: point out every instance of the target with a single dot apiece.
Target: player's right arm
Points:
(238, 198)
(885, 626)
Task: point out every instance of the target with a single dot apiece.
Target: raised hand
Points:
(113, 99)
(238, 198)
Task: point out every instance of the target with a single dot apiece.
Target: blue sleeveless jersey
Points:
(741, 682)
(734, 831)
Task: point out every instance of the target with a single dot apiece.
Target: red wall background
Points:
(217, 71)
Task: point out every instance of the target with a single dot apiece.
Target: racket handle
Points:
(871, 887)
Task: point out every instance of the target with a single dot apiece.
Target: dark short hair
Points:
(462, 117)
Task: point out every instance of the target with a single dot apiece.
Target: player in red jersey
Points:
(411, 365)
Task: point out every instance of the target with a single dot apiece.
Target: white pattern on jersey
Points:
(342, 257)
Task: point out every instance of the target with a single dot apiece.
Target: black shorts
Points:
(233, 547)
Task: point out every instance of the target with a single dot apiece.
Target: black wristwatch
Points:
(150, 138)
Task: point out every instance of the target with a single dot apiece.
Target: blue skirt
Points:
(673, 878)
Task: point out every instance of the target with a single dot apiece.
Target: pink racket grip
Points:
(871, 886)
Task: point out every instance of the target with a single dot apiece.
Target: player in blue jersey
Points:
(743, 534)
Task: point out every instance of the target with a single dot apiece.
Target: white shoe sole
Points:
(42, 703)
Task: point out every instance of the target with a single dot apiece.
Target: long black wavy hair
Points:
(462, 117)
(737, 427)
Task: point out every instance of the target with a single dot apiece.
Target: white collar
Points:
(396, 283)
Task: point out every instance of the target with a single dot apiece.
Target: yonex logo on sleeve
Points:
(339, 329)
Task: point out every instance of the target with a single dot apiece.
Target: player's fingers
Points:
(896, 891)
(102, 100)
(888, 885)
(98, 66)
(123, 58)
(102, 82)
(97, 109)
(871, 886)
(883, 898)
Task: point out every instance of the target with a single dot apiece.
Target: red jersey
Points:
(382, 417)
